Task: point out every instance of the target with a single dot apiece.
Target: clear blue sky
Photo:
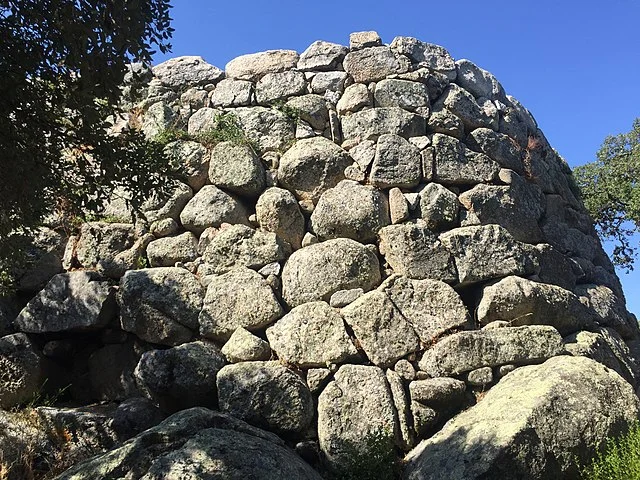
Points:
(574, 64)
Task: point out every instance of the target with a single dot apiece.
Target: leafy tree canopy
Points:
(62, 64)
(611, 192)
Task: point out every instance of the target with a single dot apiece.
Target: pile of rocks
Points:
(390, 238)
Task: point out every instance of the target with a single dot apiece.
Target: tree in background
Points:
(611, 192)
(62, 64)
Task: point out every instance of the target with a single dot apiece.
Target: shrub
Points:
(620, 459)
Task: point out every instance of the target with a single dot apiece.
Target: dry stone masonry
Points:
(383, 237)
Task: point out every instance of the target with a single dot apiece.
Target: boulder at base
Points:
(534, 424)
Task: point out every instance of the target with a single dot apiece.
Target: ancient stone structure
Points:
(382, 237)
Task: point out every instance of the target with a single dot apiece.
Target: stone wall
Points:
(383, 236)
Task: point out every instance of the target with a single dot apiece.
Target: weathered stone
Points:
(322, 56)
(443, 121)
(438, 206)
(486, 252)
(479, 82)
(236, 168)
(266, 394)
(311, 109)
(165, 252)
(242, 246)
(312, 166)
(168, 204)
(317, 378)
(498, 147)
(268, 128)
(516, 207)
(359, 40)
(412, 250)
(462, 104)
(222, 443)
(71, 302)
(318, 271)
(194, 98)
(406, 440)
(353, 408)
(243, 346)
(371, 123)
(311, 335)
(211, 207)
(239, 298)
(277, 211)
(350, 210)
(456, 164)
(274, 87)
(135, 415)
(254, 66)
(523, 302)
(424, 54)
(530, 425)
(425, 419)
(556, 268)
(342, 298)
(609, 308)
(111, 371)
(371, 64)
(480, 377)
(158, 118)
(354, 98)
(43, 253)
(203, 121)
(100, 243)
(160, 305)
(412, 96)
(180, 377)
(23, 370)
(398, 206)
(465, 351)
(193, 160)
(232, 93)
(431, 307)
(442, 393)
(186, 71)
(396, 164)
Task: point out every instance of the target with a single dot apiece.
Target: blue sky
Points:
(574, 65)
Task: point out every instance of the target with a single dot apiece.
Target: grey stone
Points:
(353, 408)
(232, 93)
(254, 66)
(442, 393)
(412, 96)
(111, 371)
(221, 441)
(167, 204)
(426, 55)
(609, 308)
(158, 118)
(364, 153)
(328, 82)
(160, 305)
(371, 123)
(211, 207)
(405, 369)
(438, 207)
(193, 160)
(371, 64)
(317, 378)
(274, 87)
(135, 415)
(242, 246)
(398, 206)
(412, 250)
(23, 370)
(498, 147)
(311, 109)
(480, 377)
(243, 346)
(322, 56)
(270, 269)
(431, 307)
(71, 302)
(311, 167)
(318, 271)
(100, 243)
(472, 113)
(236, 168)
(165, 252)
(266, 394)
(524, 302)
(43, 259)
(309, 239)
(530, 425)
(180, 377)
(354, 98)
(479, 82)
(181, 72)
(383, 333)
(486, 252)
(556, 268)
(311, 335)
(405, 420)
(443, 121)
(239, 298)
(203, 121)
(359, 40)
(342, 298)
(465, 351)
(425, 419)
(455, 164)
(396, 164)
(350, 210)
(268, 128)
(277, 211)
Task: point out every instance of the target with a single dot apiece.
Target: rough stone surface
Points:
(354, 98)
(236, 168)
(321, 56)
(342, 298)
(267, 395)
(498, 147)
(454, 163)
(274, 87)
(254, 66)
(412, 96)
(311, 109)
(311, 335)
(71, 302)
(111, 371)
(160, 305)
(211, 207)
(22, 370)
(609, 309)
(396, 164)
(401, 403)
(371, 123)
(165, 252)
(192, 158)
(239, 298)
(371, 64)
(530, 425)
(477, 81)
(243, 346)
(433, 57)
(268, 128)
(232, 93)
(350, 210)
(186, 71)
(438, 393)
(480, 377)
(359, 40)
(438, 207)
(466, 351)
(318, 271)
(100, 244)
(277, 211)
